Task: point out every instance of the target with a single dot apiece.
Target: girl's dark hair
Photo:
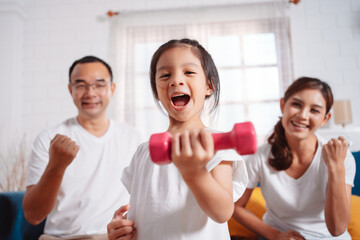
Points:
(282, 156)
(199, 51)
(90, 59)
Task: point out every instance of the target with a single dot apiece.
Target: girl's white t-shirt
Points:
(162, 205)
(296, 204)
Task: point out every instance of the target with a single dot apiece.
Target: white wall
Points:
(40, 46)
(11, 85)
(326, 44)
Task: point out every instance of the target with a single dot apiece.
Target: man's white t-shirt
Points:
(91, 190)
(162, 205)
(296, 204)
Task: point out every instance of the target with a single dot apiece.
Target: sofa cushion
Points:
(356, 188)
(256, 205)
(13, 224)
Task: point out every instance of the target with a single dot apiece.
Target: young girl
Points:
(191, 198)
(306, 181)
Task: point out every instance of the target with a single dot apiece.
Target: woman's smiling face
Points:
(181, 84)
(303, 113)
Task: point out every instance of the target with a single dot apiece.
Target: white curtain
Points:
(139, 34)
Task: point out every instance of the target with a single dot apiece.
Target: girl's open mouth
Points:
(180, 100)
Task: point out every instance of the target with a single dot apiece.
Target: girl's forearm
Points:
(213, 198)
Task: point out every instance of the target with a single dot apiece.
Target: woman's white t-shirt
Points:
(296, 204)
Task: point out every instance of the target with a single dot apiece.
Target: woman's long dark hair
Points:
(282, 156)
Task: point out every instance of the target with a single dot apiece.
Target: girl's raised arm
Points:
(191, 151)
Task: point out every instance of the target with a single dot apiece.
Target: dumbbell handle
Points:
(242, 138)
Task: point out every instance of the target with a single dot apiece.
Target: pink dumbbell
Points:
(242, 138)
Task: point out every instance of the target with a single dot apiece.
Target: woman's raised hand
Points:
(334, 153)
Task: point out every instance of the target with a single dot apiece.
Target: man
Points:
(74, 173)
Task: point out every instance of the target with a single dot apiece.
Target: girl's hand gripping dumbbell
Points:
(242, 138)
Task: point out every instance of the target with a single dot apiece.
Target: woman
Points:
(306, 181)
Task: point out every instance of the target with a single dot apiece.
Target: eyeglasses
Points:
(98, 87)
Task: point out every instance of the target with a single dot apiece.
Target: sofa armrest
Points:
(354, 225)
(13, 224)
(356, 188)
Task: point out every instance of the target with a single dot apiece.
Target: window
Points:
(250, 81)
(252, 57)
(145, 103)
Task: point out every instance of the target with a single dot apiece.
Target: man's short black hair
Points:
(90, 59)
